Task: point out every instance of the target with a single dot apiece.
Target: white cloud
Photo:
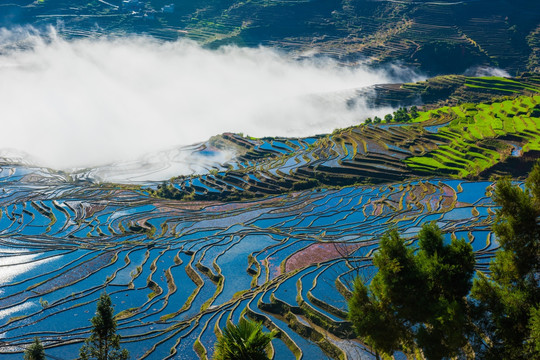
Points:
(487, 71)
(93, 101)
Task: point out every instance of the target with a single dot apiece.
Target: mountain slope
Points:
(437, 36)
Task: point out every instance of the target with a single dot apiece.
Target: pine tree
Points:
(414, 112)
(103, 343)
(508, 299)
(35, 351)
(417, 299)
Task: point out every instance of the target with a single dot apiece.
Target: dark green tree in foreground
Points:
(35, 351)
(417, 299)
(103, 343)
(508, 298)
(245, 341)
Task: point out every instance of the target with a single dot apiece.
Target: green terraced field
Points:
(276, 234)
(479, 136)
(178, 271)
(462, 141)
(442, 37)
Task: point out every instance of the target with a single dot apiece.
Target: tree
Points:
(508, 299)
(368, 121)
(417, 299)
(414, 112)
(103, 343)
(534, 326)
(245, 341)
(445, 326)
(377, 120)
(401, 115)
(388, 118)
(35, 351)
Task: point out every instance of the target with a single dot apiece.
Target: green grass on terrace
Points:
(470, 139)
(500, 84)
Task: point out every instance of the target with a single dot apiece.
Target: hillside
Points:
(463, 141)
(438, 37)
(274, 229)
(177, 271)
(276, 234)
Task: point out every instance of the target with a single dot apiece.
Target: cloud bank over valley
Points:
(93, 101)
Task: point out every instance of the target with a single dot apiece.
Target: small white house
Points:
(168, 9)
(150, 15)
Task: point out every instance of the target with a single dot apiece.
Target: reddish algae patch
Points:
(316, 253)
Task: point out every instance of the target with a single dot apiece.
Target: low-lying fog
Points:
(93, 101)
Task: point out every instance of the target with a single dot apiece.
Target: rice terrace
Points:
(344, 179)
